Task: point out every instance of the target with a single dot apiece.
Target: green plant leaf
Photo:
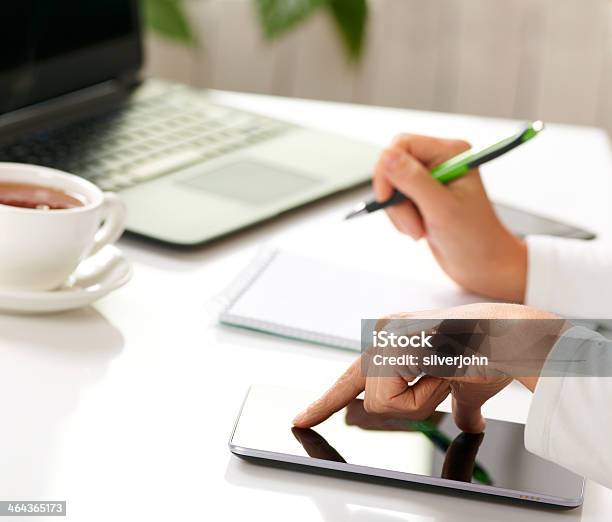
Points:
(351, 16)
(168, 18)
(278, 16)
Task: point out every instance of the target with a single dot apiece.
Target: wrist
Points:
(510, 270)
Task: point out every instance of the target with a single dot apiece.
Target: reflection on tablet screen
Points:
(434, 447)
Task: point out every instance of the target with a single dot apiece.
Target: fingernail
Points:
(392, 158)
(299, 418)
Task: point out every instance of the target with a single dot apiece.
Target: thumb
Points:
(468, 397)
(466, 403)
(468, 417)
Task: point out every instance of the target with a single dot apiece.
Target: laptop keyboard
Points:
(143, 140)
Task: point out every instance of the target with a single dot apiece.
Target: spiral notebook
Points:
(290, 295)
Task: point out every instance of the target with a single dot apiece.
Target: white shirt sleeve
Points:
(570, 277)
(570, 420)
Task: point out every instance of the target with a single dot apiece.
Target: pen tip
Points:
(354, 213)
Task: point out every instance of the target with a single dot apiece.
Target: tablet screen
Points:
(434, 447)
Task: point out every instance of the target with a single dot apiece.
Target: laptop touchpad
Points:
(251, 182)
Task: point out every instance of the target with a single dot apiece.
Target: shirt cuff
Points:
(540, 271)
(541, 412)
(548, 391)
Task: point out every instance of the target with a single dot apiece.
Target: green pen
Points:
(458, 166)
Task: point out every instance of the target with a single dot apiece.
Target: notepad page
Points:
(299, 297)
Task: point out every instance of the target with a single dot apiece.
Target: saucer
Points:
(94, 278)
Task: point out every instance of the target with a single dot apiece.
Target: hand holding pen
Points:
(454, 168)
(457, 219)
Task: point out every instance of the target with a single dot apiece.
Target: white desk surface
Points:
(125, 409)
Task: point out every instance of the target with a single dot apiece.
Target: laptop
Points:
(72, 97)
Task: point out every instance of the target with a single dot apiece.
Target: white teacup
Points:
(40, 249)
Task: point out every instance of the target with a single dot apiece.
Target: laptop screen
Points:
(53, 47)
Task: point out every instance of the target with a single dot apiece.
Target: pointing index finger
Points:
(350, 384)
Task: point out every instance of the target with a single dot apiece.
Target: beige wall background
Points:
(549, 59)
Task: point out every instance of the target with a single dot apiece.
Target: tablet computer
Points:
(434, 452)
(522, 223)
